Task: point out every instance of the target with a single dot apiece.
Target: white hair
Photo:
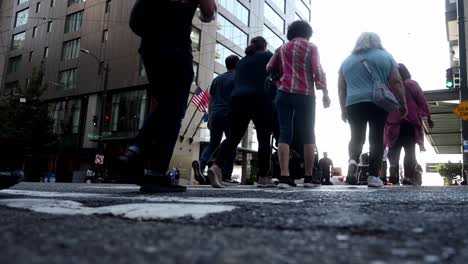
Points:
(367, 40)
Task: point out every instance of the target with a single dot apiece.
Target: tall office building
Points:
(52, 33)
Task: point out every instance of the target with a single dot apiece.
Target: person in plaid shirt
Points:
(298, 64)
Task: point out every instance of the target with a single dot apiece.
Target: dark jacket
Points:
(251, 74)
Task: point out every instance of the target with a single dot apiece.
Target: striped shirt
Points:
(298, 64)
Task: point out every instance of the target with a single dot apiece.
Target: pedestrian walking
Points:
(298, 64)
(249, 102)
(167, 57)
(326, 169)
(407, 131)
(219, 106)
(369, 62)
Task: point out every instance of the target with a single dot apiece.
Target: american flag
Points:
(201, 99)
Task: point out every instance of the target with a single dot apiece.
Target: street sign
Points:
(462, 110)
(99, 159)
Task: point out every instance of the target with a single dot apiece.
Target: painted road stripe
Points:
(150, 198)
(139, 211)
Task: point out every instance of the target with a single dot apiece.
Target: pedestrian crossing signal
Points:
(449, 82)
(95, 121)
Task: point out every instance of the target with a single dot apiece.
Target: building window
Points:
(66, 116)
(105, 35)
(49, 26)
(22, 1)
(274, 41)
(222, 53)
(34, 32)
(71, 49)
(17, 41)
(303, 10)
(21, 17)
(38, 7)
(281, 4)
(71, 2)
(195, 35)
(73, 22)
(274, 18)
(231, 32)
(108, 6)
(13, 64)
(46, 53)
(69, 78)
(26, 83)
(237, 9)
(11, 88)
(195, 73)
(141, 69)
(30, 56)
(128, 112)
(52, 3)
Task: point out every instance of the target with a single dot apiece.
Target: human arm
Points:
(319, 76)
(397, 83)
(208, 9)
(274, 65)
(421, 102)
(342, 96)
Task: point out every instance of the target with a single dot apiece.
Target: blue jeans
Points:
(296, 108)
(170, 75)
(218, 125)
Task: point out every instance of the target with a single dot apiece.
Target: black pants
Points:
(359, 115)
(243, 110)
(407, 141)
(170, 74)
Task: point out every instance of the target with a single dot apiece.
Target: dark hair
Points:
(404, 73)
(256, 44)
(231, 62)
(299, 28)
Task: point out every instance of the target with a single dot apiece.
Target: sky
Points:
(413, 31)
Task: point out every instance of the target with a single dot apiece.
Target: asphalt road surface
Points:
(97, 223)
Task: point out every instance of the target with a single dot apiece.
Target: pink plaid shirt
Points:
(298, 63)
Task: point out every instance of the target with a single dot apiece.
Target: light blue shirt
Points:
(359, 83)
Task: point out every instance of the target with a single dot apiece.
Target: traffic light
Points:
(95, 121)
(449, 82)
(107, 119)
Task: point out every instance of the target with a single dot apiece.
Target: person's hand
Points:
(326, 101)
(403, 111)
(344, 115)
(430, 123)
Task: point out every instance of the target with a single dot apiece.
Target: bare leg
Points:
(283, 151)
(309, 157)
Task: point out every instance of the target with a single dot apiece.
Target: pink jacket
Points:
(417, 108)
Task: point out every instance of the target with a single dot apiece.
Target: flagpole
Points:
(188, 125)
(182, 137)
(196, 129)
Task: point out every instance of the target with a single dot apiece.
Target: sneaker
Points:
(10, 178)
(133, 152)
(352, 173)
(199, 177)
(286, 182)
(229, 182)
(215, 174)
(153, 182)
(408, 182)
(311, 181)
(373, 181)
(265, 182)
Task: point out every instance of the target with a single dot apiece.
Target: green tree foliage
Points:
(25, 126)
(449, 171)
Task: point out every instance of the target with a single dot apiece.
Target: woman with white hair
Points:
(355, 90)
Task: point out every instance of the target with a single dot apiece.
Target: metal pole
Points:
(103, 108)
(463, 76)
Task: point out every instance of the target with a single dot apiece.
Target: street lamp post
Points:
(106, 69)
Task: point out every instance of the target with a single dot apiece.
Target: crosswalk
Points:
(125, 201)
